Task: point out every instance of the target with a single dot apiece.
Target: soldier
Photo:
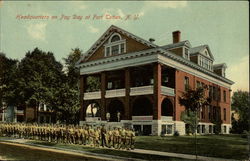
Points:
(109, 138)
(96, 137)
(115, 138)
(91, 136)
(82, 137)
(71, 134)
(87, 135)
(123, 138)
(132, 138)
(103, 136)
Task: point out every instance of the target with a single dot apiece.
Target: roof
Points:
(179, 44)
(157, 50)
(198, 49)
(106, 35)
(221, 65)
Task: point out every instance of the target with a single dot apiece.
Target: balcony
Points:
(167, 91)
(141, 90)
(115, 93)
(167, 118)
(19, 112)
(92, 95)
(142, 118)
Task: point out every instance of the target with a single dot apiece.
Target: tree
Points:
(67, 95)
(189, 117)
(8, 78)
(39, 77)
(193, 100)
(240, 103)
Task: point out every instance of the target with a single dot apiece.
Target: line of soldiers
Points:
(84, 135)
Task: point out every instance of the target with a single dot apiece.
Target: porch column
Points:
(103, 93)
(82, 110)
(127, 110)
(157, 92)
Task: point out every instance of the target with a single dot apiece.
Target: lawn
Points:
(125, 154)
(222, 146)
(12, 152)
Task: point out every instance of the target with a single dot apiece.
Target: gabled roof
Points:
(106, 35)
(179, 44)
(198, 50)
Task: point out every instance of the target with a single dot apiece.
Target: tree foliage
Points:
(193, 100)
(67, 95)
(241, 105)
(8, 80)
(40, 75)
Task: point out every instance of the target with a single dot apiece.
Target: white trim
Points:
(92, 95)
(114, 34)
(184, 68)
(115, 93)
(146, 57)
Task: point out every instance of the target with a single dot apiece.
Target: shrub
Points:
(176, 133)
(245, 134)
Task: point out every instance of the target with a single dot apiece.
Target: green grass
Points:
(125, 154)
(12, 152)
(223, 146)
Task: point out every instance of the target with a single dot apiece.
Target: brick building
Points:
(138, 83)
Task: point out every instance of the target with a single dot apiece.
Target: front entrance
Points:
(147, 129)
(143, 129)
(116, 111)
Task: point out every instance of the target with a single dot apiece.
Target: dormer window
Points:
(116, 45)
(186, 53)
(205, 62)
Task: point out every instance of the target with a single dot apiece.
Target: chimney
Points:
(151, 40)
(176, 36)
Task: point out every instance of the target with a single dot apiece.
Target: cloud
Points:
(152, 5)
(37, 31)
(167, 4)
(239, 73)
(93, 29)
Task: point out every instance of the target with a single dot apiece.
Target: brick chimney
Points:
(176, 36)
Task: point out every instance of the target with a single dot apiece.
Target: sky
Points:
(223, 25)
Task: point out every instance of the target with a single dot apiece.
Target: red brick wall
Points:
(192, 82)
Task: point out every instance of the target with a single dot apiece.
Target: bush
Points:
(176, 133)
(244, 134)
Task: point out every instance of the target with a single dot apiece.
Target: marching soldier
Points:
(103, 136)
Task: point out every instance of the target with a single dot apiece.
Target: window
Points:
(225, 114)
(203, 129)
(116, 45)
(210, 112)
(186, 83)
(115, 49)
(186, 53)
(115, 38)
(108, 51)
(225, 129)
(198, 128)
(224, 96)
(198, 84)
(202, 112)
(219, 95)
(210, 92)
(210, 129)
(205, 62)
(163, 129)
(109, 85)
(169, 129)
(214, 93)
